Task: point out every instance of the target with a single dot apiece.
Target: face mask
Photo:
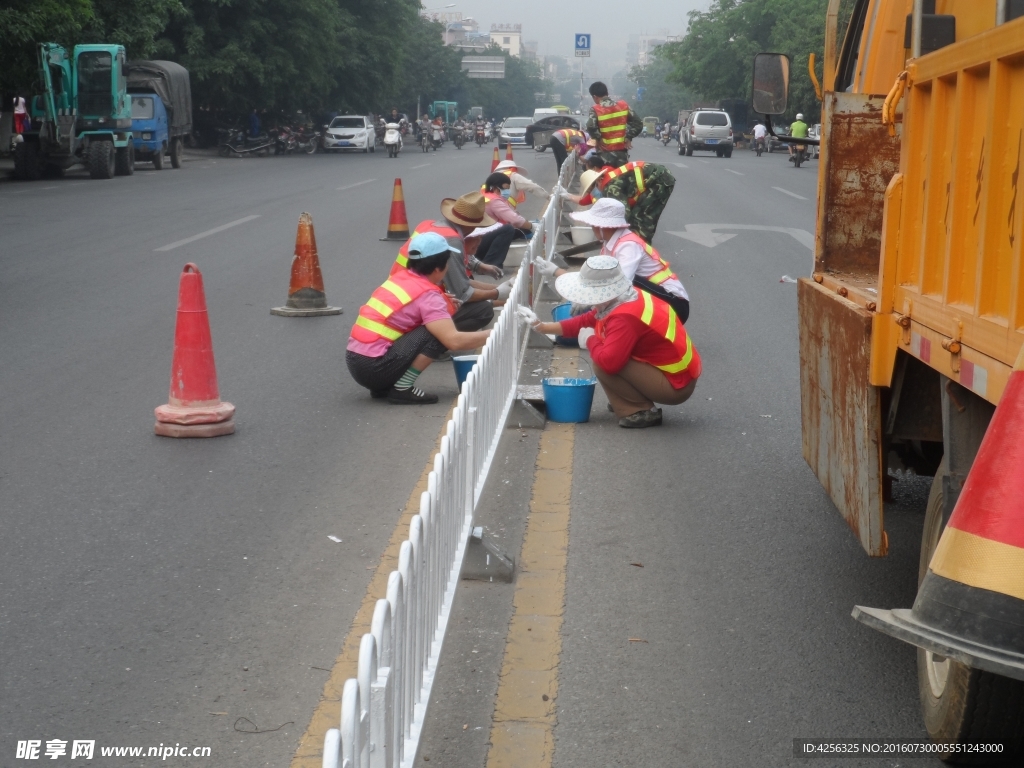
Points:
(506, 192)
(595, 193)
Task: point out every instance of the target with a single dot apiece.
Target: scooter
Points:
(238, 142)
(760, 145)
(435, 137)
(481, 136)
(458, 138)
(799, 155)
(393, 139)
(666, 137)
(307, 142)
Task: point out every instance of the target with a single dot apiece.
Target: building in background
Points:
(508, 37)
(460, 30)
(529, 50)
(640, 47)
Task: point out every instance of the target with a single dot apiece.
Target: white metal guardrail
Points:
(383, 709)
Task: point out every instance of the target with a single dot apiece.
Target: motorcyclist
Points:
(797, 130)
(760, 134)
(423, 125)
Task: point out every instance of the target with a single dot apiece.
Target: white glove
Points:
(557, 189)
(527, 315)
(545, 267)
(504, 289)
(565, 194)
(584, 334)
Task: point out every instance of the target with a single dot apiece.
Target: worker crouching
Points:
(641, 352)
(406, 325)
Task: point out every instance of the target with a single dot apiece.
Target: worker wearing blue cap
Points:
(406, 325)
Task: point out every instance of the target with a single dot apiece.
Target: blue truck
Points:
(161, 110)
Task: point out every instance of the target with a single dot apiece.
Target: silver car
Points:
(707, 130)
(513, 131)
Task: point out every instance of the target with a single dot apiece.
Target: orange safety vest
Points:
(399, 290)
(441, 228)
(663, 274)
(660, 317)
(513, 201)
(611, 126)
(637, 170)
(567, 134)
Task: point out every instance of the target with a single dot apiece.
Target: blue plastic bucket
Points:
(463, 365)
(558, 314)
(568, 400)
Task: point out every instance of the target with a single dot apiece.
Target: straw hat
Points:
(606, 213)
(468, 210)
(504, 165)
(589, 178)
(600, 279)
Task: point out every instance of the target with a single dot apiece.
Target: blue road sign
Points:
(582, 44)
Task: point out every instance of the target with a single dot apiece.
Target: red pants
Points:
(20, 122)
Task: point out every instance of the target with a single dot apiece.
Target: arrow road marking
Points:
(791, 194)
(207, 233)
(705, 235)
(357, 184)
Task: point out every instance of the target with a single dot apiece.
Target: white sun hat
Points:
(606, 213)
(504, 165)
(600, 279)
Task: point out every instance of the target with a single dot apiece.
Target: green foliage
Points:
(23, 23)
(662, 97)
(716, 56)
(429, 70)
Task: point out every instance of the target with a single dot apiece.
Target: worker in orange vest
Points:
(406, 325)
(641, 353)
(566, 141)
(612, 125)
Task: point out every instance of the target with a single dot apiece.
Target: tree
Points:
(662, 96)
(23, 24)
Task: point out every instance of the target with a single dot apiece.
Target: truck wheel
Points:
(158, 159)
(124, 160)
(961, 704)
(101, 160)
(176, 152)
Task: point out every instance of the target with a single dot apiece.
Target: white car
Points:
(513, 131)
(349, 132)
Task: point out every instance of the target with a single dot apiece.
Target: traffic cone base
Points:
(171, 429)
(398, 222)
(306, 296)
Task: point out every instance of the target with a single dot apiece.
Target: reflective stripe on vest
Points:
(638, 172)
(611, 123)
(661, 318)
(398, 291)
(663, 274)
(566, 135)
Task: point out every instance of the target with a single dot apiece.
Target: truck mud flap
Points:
(841, 410)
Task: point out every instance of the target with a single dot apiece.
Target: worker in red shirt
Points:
(641, 352)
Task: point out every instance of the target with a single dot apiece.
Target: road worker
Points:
(519, 185)
(640, 350)
(644, 187)
(640, 262)
(486, 240)
(566, 141)
(612, 125)
(406, 325)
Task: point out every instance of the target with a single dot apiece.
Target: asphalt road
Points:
(149, 585)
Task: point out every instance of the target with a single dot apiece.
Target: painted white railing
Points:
(383, 709)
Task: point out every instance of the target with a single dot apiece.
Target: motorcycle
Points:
(799, 155)
(239, 142)
(284, 141)
(666, 137)
(760, 145)
(307, 142)
(393, 139)
(425, 140)
(458, 138)
(481, 136)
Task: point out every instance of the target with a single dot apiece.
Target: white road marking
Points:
(701, 161)
(730, 170)
(207, 233)
(791, 194)
(420, 166)
(47, 187)
(357, 184)
(681, 165)
(704, 234)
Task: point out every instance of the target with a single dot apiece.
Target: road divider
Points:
(207, 233)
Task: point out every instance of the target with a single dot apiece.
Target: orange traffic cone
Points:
(306, 297)
(398, 222)
(508, 151)
(194, 407)
(970, 605)
(495, 160)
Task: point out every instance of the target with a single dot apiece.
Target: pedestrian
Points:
(613, 125)
(254, 124)
(565, 141)
(520, 185)
(640, 350)
(644, 188)
(407, 325)
(640, 262)
(21, 121)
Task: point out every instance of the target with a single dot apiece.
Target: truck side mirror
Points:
(771, 83)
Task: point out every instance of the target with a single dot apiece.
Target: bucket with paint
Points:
(516, 253)
(463, 365)
(558, 314)
(568, 400)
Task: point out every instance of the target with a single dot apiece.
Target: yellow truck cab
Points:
(913, 318)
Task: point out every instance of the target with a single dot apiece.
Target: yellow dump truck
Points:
(914, 315)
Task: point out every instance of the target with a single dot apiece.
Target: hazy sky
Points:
(553, 24)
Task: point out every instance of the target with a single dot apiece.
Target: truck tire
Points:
(26, 162)
(158, 159)
(176, 151)
(124, 160)
(101, 160)
(961, 704)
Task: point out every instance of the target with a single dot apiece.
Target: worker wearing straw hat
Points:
(641, 352)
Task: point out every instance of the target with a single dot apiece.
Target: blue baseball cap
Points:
(426, 245)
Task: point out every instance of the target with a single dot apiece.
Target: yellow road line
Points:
(328, 712)
(522, 731)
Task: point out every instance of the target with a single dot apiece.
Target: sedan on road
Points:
(538, 135)
(513, 131)
(349, 132)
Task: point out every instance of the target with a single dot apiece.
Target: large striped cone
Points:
(495, 160)
(970, 605)
(194, 407)
(398, 222)
(306, 297)
(508, 151)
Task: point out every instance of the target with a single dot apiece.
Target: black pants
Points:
(494, 245)
(473, 315)
(558, 149)
(679, 304)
